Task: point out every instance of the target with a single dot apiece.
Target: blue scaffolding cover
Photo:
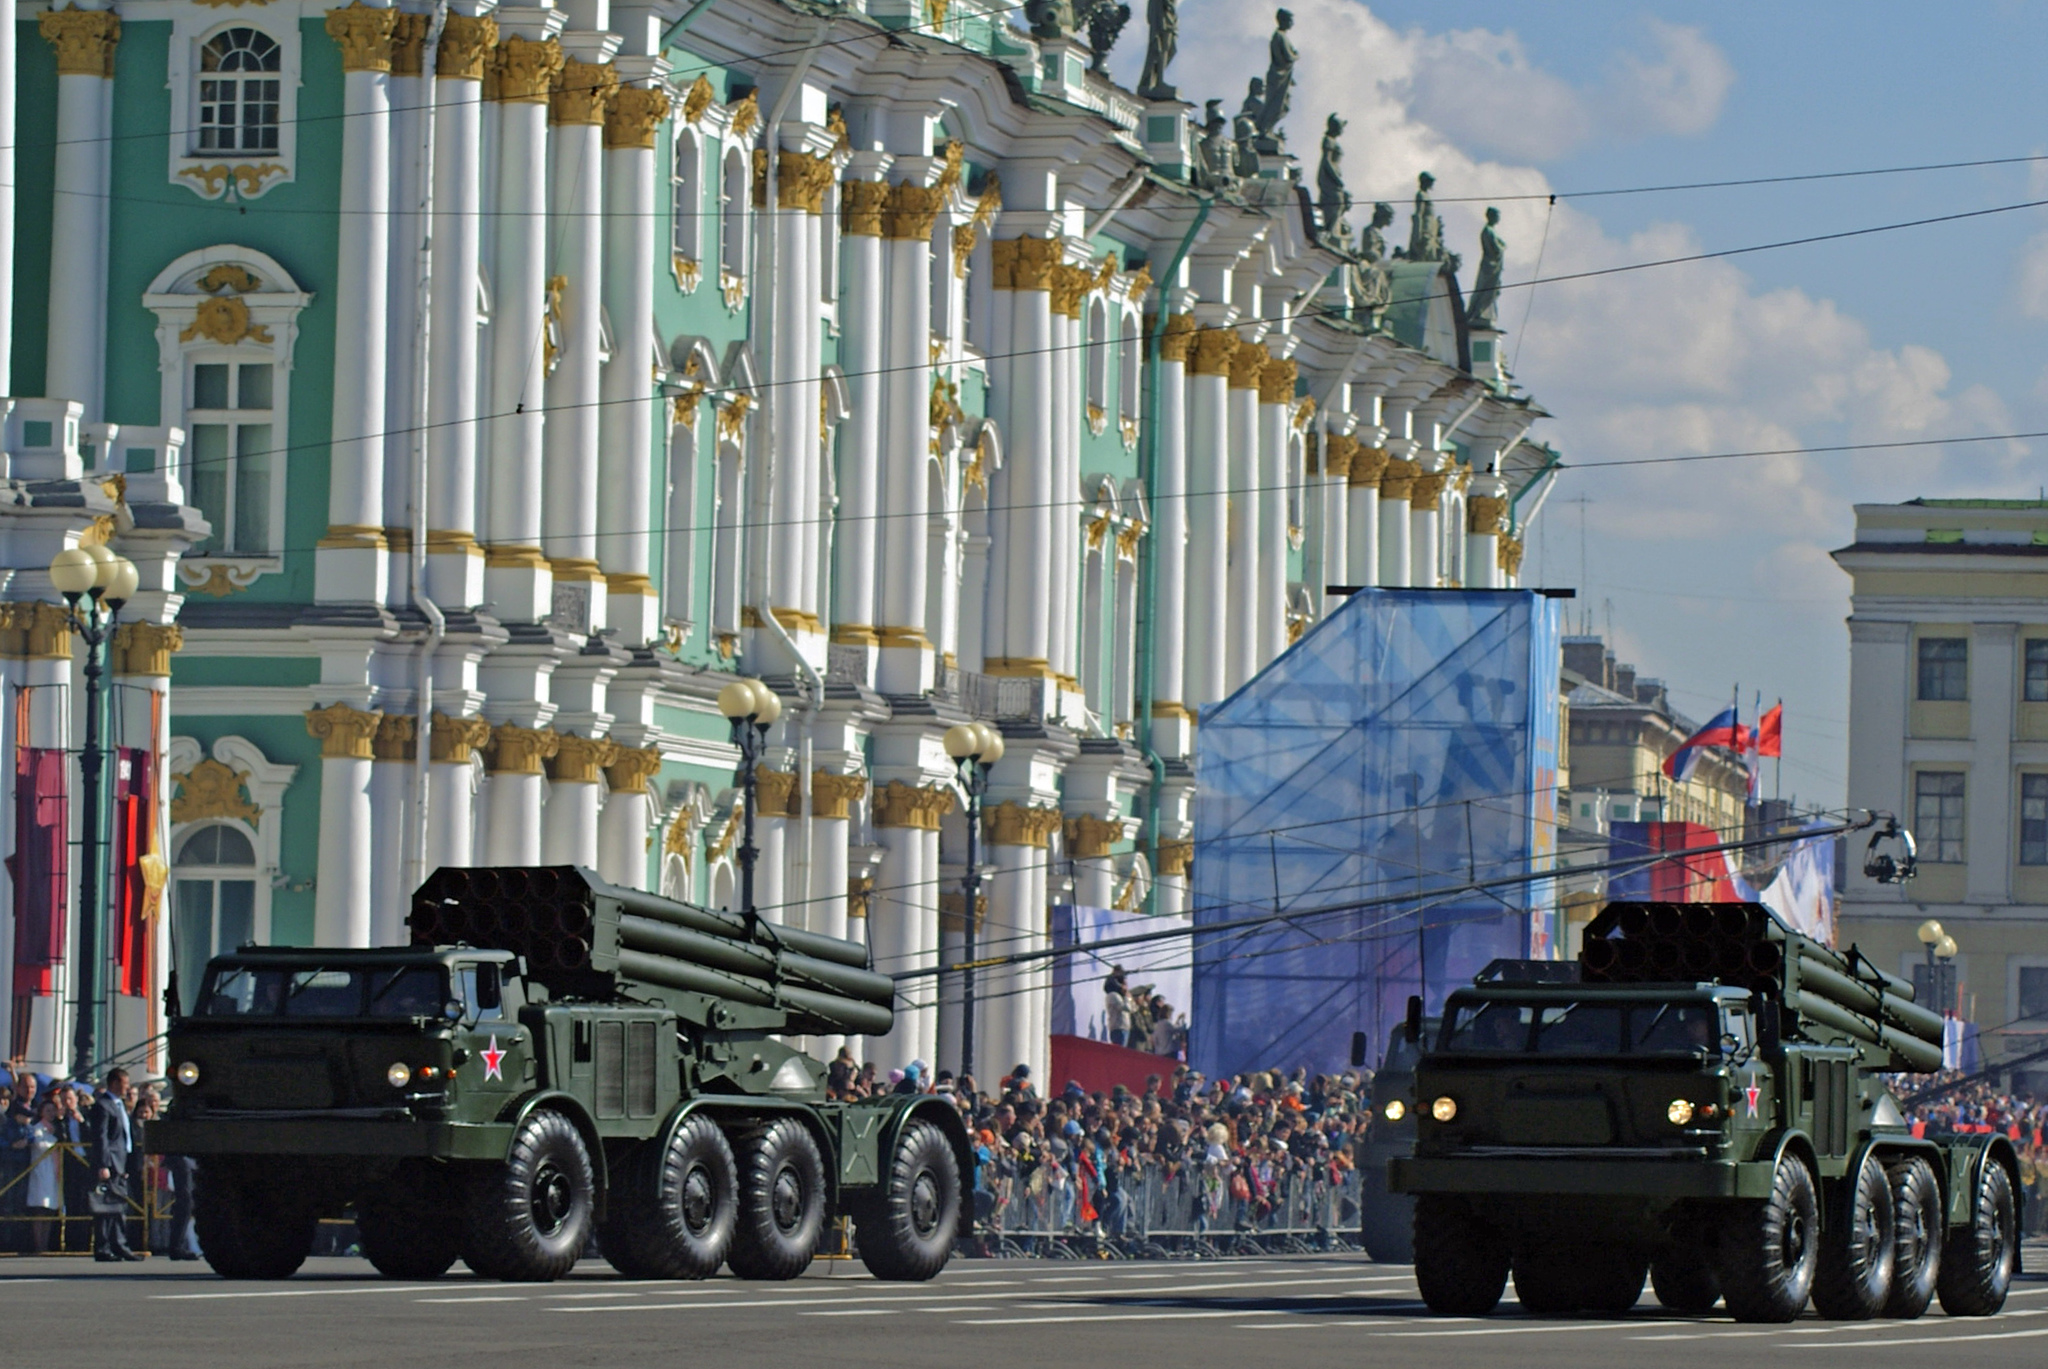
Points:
(1405, 747)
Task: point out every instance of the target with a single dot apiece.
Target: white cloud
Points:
(1681, 91)
(2032, 293)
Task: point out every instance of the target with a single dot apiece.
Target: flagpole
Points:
(1778, 769)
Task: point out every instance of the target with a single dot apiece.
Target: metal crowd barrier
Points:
(66, 1229)
(1166, 1211)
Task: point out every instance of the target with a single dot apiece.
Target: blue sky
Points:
(1714, 574)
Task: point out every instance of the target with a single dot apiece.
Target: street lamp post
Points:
(752, 708)
(975, 748)
(103, 582)
(1941, 953)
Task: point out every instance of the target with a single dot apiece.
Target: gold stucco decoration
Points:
(224, 319)
(364, 36)
(345, 733)
(212, 790)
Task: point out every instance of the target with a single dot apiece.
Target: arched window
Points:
(1130, 357)
(735, 189)
(239, 89)
(214, 908)
(686, 191)
(1098, 366)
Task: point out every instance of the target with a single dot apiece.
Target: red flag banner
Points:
(1770, 731)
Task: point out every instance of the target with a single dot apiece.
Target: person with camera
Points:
(109, 1141)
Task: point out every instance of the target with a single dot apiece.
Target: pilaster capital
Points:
(833, 796)
(1248, 365)
(1485, 513)
(800, 180)
(911, 211)
(1399, 478)
(516, 750)
(1175, 854)
(1338, 453)
(1089, 837)
(1509, 558)
(635, 114)
(582, 92)
(408, 42)
(776, 795)
(145, 648)
(46, 630)
(1368, 467)
(1177, 337)
(630, 768)
(1214, 349)
(345, 733)
(454, 740)
(577, 760)
(1015, 824)
(364, 36)
(84, 40)
(465, 47)
(908, 805)
(523, 70)
(1276, 382)
(1428, 488)
(1024, 263)
(861, 205)
(397, 738)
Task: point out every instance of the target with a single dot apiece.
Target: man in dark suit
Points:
(108, 1142)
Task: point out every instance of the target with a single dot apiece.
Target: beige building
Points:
(1948, 728)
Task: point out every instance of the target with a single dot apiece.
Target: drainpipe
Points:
(673, 31)
(437, 625)
(1146, 575)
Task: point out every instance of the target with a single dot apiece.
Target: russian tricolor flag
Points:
(1724, 730)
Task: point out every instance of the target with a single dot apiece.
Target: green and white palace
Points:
(479, 389)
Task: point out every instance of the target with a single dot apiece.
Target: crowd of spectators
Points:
(1956, 1103)
(51, 1135)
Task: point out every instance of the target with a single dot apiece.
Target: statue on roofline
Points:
(1281, 57)
(1218, 159)
(1162, 42)
(1373, 246)
(1104, 21)
(1246, 129)
(1331, 201)
(1425, 226)
(1483, 308)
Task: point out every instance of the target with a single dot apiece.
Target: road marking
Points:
(301, 1292)
(855, 1312)
(1824, 1328)
(1951, 1339)
(1092, 1317)
(1518, 1330)
(620, 1294)
(485, 1297)
(885, 1303)
(994, 1283)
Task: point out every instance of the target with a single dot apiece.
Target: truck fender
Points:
(943, 1115)
(554, 1100)
(1790, 1141)
(1966, 1161)
(1900, 1147)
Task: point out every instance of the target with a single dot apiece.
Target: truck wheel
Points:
(672, 1215)
(1918, 1219)
(906, 1233)
(1978, 1263)
(1386, 1225)
(249, 1229)
(1856, 1251)
(408, 1225)
(1769, 1249)
(1461, 1265)
(530, 1217)
(1554, 1281)
(782, 1203)
(1683, 1279)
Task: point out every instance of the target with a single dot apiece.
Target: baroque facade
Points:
(478, 387)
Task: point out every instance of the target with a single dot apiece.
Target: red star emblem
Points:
(494, 1063)
(1750, 1095)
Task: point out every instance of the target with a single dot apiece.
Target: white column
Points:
(1426, 516)
(516, 576)
(391, 816)
(517, 791)
(46, 680)
(570, 460)
(1362, 561)
(1331, 489)
(409, 94)
(793, 527)
(1395, 529)
(576, 792)
(907, 651)
(1486, 507)
(622, 837)
(1208, 558)
(831, 797)
(7, 124)
(1168, 409)
(455, 569)
(927, 1011)
(863, 296)
(349, 564)
(1276, 409)
(343, 889)
(451, 804)
(893, 913)
(74, 366)
(1023, 280)
(1063, 572)
(1242, 652)
(1015, 905)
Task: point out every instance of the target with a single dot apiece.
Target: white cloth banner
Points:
(1166, 965)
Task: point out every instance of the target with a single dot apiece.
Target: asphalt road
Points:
(1310, 1309)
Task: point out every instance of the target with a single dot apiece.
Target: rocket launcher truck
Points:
(552, 1057)
(1705, 1105)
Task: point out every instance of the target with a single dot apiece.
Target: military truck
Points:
(1705, 1106)
(554, 1056)
(1386, 1219)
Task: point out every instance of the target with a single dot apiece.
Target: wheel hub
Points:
(924, 1204)
(697, 1201)
(553, 1197)
(786, 1199)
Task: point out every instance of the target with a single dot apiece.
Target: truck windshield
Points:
(314, 992)
(1587, 1029)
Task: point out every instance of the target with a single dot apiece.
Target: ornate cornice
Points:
(1014, 824)
(397, 738)
(364, 36)
(523, 71)
(345, 733)
(907, 805)
(1177, 337)
(454, 740)
(577, 760)
(145, 648)
(631, 768)
(833, 796)
(582, 92)
(84, 40)
(516, 750)
(1090, 838)
(465, 47)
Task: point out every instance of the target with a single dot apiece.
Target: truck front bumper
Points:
(1587, 1174)
(300, 1134)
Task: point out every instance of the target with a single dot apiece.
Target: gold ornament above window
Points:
(212, 790)
(225, 319)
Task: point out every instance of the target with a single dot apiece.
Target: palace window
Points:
(1938, 815)
(1944, 669)
(735, 194)
(2036, 687)
(686, 209)
(214, 899)
(2034, 819)
(233, 454)
(239, 91)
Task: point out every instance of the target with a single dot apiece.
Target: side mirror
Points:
(1415, 1019)
(1358, 1050)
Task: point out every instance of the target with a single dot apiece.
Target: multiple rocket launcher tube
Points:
(571, 926)
(1742, 944)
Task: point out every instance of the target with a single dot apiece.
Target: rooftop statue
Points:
(1218, 153)
(1331, 201)
(1279, 76)
(1483, 308)
(1162, 41)
(1372, 289)
(1246, 128)
(1373, 246)
(1050, 18)
(1426, 228)
(1104, 20)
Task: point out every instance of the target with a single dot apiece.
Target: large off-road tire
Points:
(1556, 1281)
(1858, 1248)
(1682, 1276)
(1980, 1259)
(409, 1224)
(1918, 1223)
(782, 1202)
(1386, 1222)
(529, 1218)
(1461, 1265)
(906, 1232)
(673, 1209)
(1769, 1248)
(248, 1227)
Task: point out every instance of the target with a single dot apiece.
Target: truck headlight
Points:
(398, 1075)
(1444, 1108)
(187, 1074)
(1395, 1110)
(1680, 1112)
